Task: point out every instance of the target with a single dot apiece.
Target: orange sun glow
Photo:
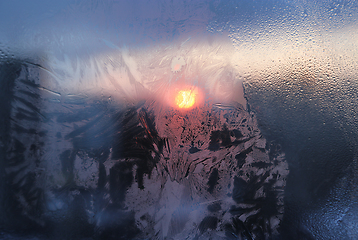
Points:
(185, 99)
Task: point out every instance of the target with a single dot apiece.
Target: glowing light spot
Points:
(185, 99)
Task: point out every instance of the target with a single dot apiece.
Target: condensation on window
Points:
(178, 120)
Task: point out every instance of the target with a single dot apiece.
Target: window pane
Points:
(178, 119)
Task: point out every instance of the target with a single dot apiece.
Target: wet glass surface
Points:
(178, 120)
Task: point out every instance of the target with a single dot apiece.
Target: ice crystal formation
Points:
(143, 171)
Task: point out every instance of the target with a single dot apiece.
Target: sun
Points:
(185, 99)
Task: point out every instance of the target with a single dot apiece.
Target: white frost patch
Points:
(261, 143)
(86, 172)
